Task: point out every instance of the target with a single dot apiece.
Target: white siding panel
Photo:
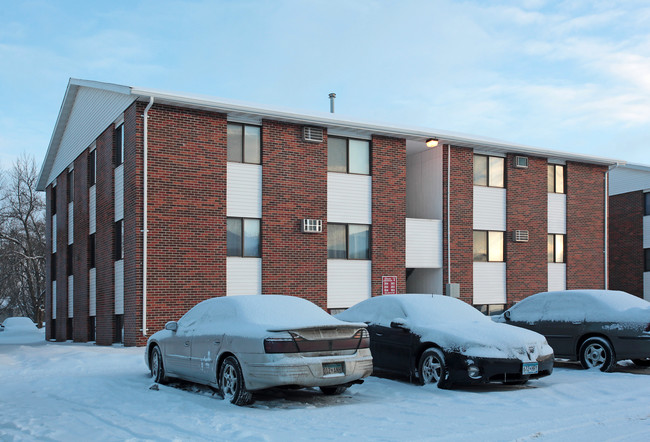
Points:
(489, 283)
(489, 208)
(348, 282)
(244, 191)
(557, 213)
(92, 209)
(556, 276)
(646, 232)
(70, 223)
(70, 296)
(349, 198)
(243, 276)
(424, 184)
(53, 299)
(119, 192)
(119, 287)
(646, 286)
(423, 243)
(623, 180)
(92, 292)
(93, 111)
(54, 233)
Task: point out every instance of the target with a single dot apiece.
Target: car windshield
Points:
(425, 308)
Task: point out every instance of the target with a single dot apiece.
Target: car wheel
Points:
(157, 367)
(231, 383)
(642, 362)
(334, 390)
(597, 353)
(432, 369)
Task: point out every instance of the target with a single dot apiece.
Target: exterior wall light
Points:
(432, 142)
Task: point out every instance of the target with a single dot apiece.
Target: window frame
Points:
(70, 186)
(646, 259)
(347, 156)
(92, 168)
(242, 235)
(118, 145)
(646, 204)
(555, 167)
(53, 200)
(347, 241)
(555, 261)
(118, 234)
(487, 245)
(487, 172)
(243, 143)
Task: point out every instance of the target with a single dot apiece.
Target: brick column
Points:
(626, 242)
(49, 332)
(61, 257)
(80, 260)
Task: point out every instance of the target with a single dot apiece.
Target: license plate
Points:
(333, 368)
(530, 368)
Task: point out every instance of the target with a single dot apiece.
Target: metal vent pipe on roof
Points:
(332, 97)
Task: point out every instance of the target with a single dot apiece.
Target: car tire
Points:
(642, 362)
(231, 383)
(432, 368)
(334, 390)
(156, 366)
(597, 353)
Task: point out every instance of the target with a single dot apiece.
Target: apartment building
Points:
(158, 200)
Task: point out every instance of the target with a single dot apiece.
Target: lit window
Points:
(347, 155)
(556, 248)
(489, 171)
(489, 246)
(348, 241)
(244, 143)
(556, 178)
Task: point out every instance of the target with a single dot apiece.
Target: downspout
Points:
(145, 226)
(609, 169)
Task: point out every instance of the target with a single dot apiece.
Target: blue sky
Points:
(565, 75)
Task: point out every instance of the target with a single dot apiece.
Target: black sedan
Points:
(443, 340)
(595, 327)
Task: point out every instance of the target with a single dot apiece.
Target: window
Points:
(70, 179)
(244, 237)
(91, 251)
(556, 179)
(348, 241)
(119, 240)
(646, 197)
(646, 265)
(92, 168)
(118, 145)
(489, 171)
(556, 248)
(491, 309)
(119, 329)
(488, 246)
(53, 267)
(91, 328)
(348, 155)
(69, 261)
(53, 200)
(244, 143)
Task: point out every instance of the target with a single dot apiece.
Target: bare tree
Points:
(22, 242)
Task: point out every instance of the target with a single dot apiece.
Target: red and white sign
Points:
(389, 285)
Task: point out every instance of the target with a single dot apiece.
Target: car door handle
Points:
(379, 334)
(187, 343)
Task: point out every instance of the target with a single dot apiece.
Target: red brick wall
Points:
(294, 186)
(49, 332)
(104, 239)
(526, 209)
(626, 242)
(187, 212)
(585, 226)
(388, 169)
(80, 251)
(61, 257)
(461, 219)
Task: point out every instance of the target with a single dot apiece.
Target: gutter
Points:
(145, 226)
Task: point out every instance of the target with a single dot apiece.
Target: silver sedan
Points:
(240, 344)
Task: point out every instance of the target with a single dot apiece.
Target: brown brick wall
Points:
(80, 252)
(49, 332)
(294, 186)
(461, 219)
(626, 242)
(388, 211)
(61, 257)
(585, 226)
(526, 209)
(187, 212)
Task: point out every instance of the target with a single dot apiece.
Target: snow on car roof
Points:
(17, 322)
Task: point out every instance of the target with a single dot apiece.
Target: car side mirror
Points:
(399, 323)
(507, 315)
(172, 326)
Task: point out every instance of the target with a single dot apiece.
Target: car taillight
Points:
(364, 339)
(280, 345)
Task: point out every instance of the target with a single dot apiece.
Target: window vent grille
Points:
(312, 134)
(311, 226)
(520, 236)
(521, 162)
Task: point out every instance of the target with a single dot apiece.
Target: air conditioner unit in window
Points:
(312, 134)
(521, 162)
(311, 226)
(520, 236)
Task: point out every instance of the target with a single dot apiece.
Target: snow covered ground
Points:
(65, 391)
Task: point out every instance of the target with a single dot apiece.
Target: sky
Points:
(566, 75)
